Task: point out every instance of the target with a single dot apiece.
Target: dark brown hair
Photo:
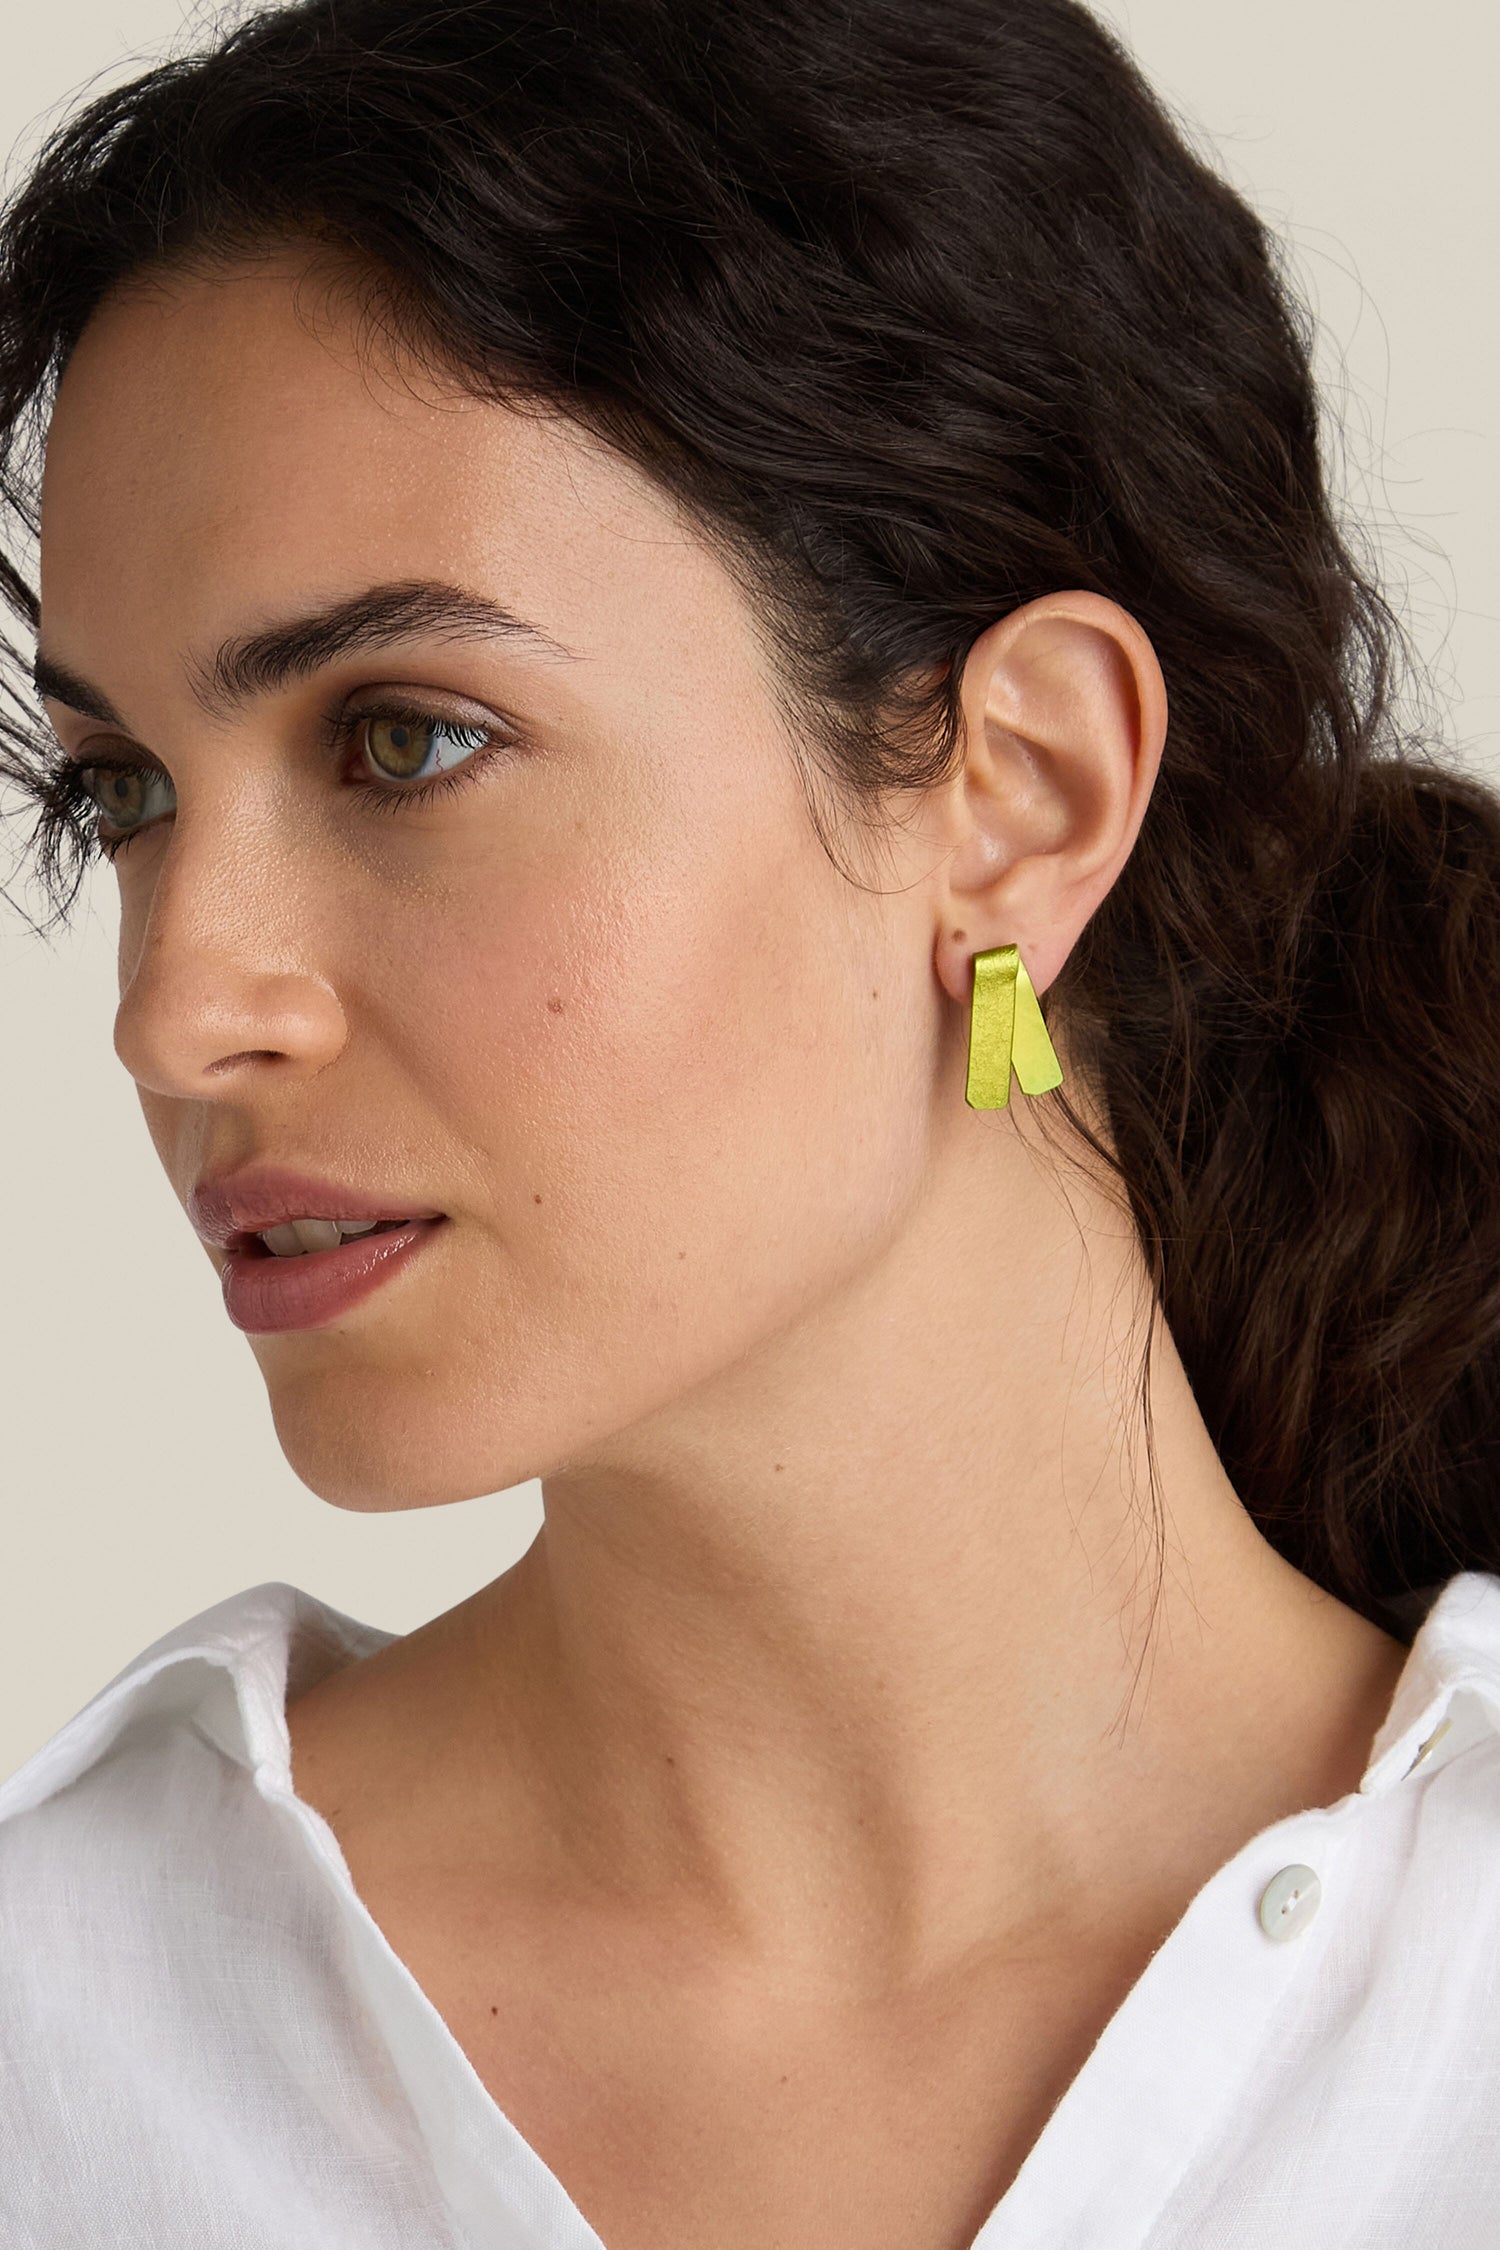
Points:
(925, 312)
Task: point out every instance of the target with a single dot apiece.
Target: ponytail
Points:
(1305, 1106)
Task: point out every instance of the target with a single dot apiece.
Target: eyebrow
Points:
(259, 663)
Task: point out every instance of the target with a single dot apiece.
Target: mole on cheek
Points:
(554, 1007)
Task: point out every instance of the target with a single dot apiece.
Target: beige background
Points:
(139, 1475)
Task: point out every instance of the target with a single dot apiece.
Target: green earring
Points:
(1007, 1032)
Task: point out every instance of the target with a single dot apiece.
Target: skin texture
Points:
(780, 1833)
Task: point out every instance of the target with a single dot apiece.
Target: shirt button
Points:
(1289, 1902)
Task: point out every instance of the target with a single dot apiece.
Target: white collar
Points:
(233, 1668)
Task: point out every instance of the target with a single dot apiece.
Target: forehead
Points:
(244, 431)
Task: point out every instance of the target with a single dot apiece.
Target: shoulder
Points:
(1445, 1714)
(109, 1830)
(227, 1670)
(109, 1883)
(1424, 1830)
(173, 1985)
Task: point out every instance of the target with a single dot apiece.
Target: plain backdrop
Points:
(140, 1478)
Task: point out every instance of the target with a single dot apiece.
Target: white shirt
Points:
(206, 2043)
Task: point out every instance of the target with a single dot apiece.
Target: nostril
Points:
(203, 1021)
(247, 1055)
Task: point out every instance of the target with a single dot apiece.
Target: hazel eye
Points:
(128, 797)
(412, 749)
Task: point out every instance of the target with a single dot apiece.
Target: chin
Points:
(374, 1455)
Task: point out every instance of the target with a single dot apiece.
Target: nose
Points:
(218, 982)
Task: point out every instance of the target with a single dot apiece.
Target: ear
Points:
(1064, 716)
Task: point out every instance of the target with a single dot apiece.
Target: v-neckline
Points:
(1148, 2096)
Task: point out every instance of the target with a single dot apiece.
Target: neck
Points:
(888, 1624)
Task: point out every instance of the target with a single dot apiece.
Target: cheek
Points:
(671, 1100)
(672, 1081)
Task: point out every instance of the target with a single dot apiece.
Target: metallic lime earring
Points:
(1007, 1031)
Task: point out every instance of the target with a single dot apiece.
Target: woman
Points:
(625, 588)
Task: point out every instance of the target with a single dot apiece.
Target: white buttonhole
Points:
(1431, 1743)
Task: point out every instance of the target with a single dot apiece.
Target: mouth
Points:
(312, 1273)
(309, 1238)
(300, 1251)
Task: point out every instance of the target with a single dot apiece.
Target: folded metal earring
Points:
(1007, 1032)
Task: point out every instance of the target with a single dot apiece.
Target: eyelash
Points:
(72, 804)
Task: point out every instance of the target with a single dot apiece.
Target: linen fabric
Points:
(206, 2042)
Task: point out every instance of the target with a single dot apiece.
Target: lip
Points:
(234, 1205)
(263, 1292)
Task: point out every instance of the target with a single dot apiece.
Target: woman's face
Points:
(603, 1003)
